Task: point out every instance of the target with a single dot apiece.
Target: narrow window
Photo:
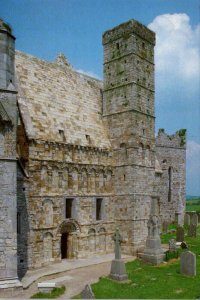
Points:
(169, 184)
(98, 209)
(88, 138)
(143, 45)
(68, 208)
(117, 45)
(18, 222)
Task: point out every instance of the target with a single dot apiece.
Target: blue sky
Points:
(45, 28)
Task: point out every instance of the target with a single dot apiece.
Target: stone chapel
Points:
(79, 156)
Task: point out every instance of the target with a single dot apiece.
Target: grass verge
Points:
(154, 282)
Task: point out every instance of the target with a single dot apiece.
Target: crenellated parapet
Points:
(176, 140)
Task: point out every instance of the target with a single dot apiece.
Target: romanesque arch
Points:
(69, 231)
(102, 239)
(48, 212)
(92, 240)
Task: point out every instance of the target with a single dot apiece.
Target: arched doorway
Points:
(64, 245)
(69, 230)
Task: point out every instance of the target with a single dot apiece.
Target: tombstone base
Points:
(118, 270)
(153, 252)
(10, 283)
(154, 259)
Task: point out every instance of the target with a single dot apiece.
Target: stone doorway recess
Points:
(69, 231)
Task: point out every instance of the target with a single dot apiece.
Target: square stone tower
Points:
(128, 111)
(8, 195)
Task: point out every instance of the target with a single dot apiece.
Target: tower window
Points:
(143, 45)
(169, 184)
(18, 222)
(99, 209)
(117, 46)
(68, 208)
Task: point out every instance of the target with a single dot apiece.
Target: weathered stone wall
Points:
(8, 123)
(171, 154)
(128, 110)
(84, 176)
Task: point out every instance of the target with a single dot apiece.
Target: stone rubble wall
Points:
(171, 153)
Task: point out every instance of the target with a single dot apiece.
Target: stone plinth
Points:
(10, 283)
(118, 270)
(153, 252)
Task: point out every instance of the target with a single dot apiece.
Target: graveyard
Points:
(164, 281)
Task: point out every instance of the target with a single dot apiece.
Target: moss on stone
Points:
(182, 135)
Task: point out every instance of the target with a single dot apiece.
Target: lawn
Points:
(154, 282)
(193, 205)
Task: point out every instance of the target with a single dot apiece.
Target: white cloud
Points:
(193, 155)
(177, 46)
(193, 167)
(89, 73)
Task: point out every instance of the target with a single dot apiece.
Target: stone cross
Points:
(188, 263)
(118, 239)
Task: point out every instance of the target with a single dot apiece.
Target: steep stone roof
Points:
(57, 103)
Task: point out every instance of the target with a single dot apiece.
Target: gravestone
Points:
(164, 227)
(87, 293)
(198, 215)
(192, 230)
(118, 270)
(187, 220)
(172, 245)
(188, 263)
(180, 234)
(153, 252)
(194, 219)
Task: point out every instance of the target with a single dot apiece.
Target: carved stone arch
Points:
(69, 226)
(74, 177)
(65, 177)
(101, 180)
(47, 205)
(148, 155)
(55, 178)
(91, 180)
(141, 152)
(91, 231)
(102, 239)
(48, 246)
(92, 240)
(108, 180)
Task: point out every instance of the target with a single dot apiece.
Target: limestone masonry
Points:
(79, 157)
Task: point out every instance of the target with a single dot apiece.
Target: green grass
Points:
(193, 205)
(154, 282)
(56, 292)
